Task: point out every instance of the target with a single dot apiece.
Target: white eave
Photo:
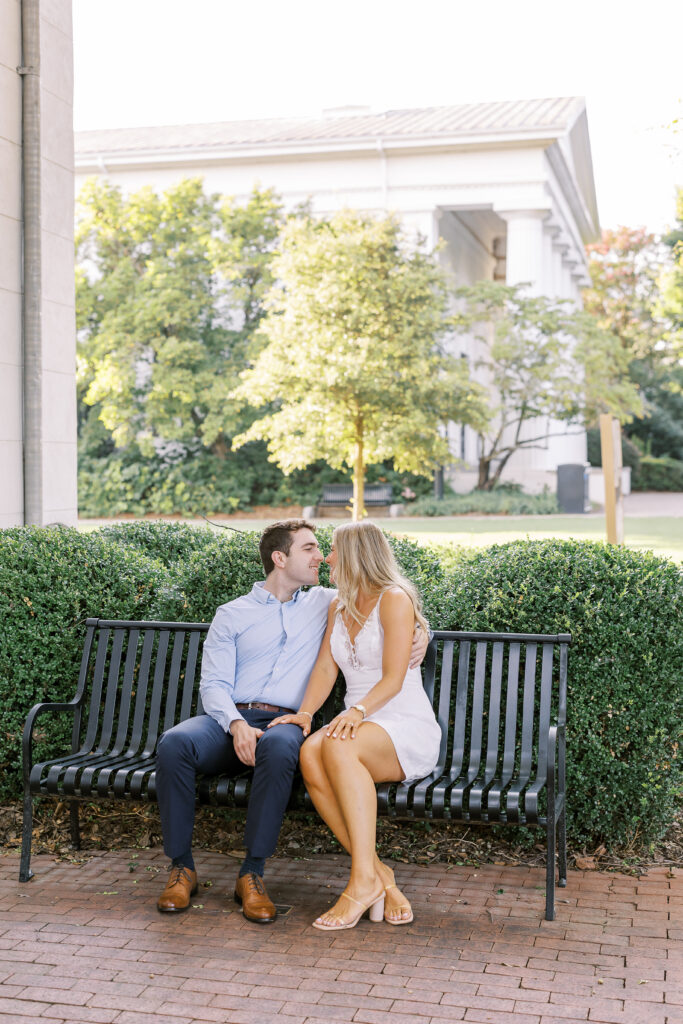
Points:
(122, 158)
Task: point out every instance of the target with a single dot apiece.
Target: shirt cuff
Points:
(237, 717)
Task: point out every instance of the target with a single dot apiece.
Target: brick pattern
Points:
(84, 943)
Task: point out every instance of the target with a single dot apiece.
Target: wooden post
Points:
(358, 501)
(610, 444)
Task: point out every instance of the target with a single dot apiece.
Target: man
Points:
(258, 655)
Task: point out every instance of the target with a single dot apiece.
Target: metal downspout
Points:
(32, 307)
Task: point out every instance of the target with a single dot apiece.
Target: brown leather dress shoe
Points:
(256, 904)
(181, 885)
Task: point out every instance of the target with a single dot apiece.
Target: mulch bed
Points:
(111, 827)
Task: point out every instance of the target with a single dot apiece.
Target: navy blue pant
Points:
(200, 745)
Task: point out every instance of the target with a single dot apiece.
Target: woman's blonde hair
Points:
(366, 562)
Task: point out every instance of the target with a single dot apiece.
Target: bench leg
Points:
(550, 870)
(75, 824)
(26, 836)
(562, 847)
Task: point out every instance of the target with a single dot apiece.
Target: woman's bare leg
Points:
(351, 768)
(320, 789)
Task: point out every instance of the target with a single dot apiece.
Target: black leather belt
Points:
(260, 706)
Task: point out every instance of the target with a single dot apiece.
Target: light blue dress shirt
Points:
(259, 648)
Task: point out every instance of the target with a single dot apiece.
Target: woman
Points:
(387, 731)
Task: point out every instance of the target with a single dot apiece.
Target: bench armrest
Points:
(555, 733)
(33, 715)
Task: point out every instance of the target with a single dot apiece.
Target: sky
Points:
(154, 62)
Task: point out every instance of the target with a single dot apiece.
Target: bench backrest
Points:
(495, 696)
(373, 494)
(139, 679)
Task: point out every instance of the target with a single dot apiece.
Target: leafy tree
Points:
(624, 268)
(354, 370)
(545, 363)
(169, 290)
(633, 295)
(169, 299)
(671, 304)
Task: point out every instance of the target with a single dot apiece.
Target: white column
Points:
(560, 249)
(525, 248)
(569, 268)
(548, 278)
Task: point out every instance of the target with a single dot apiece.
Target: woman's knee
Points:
(309, 756)
(335, 751)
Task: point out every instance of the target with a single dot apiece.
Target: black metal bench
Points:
(500, 700)
(340, 495)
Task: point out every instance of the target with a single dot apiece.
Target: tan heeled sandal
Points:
(401, 920)
(375, 908)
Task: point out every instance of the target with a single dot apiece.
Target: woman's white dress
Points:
(408, 717)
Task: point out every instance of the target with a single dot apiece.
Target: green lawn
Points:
(663, 535)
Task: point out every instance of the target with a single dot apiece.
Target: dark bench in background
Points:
(500, 700)
(335, 497)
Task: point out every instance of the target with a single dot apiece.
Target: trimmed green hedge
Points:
(622, 607)
(625, 687)
(503, 501)
(167, 542)
(51, 580)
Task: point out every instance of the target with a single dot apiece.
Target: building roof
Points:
(527, 118)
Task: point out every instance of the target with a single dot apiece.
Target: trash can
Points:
(572, 487)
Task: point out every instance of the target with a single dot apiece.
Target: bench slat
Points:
(141, 685)
(126, 691)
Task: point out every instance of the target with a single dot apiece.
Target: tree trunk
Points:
(358, 504)
(220, 447)
(488, 481)
(483, 480)
(499, 469)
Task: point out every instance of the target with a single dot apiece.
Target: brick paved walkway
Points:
(85, 943)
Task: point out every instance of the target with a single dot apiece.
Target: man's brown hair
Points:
(279, 537)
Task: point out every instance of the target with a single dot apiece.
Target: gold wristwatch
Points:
(358, 707)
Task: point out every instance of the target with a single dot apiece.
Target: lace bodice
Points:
(364, 652)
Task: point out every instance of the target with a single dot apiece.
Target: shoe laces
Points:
(177, 872)
(256, 882)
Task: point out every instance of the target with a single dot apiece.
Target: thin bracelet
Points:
(305, 713)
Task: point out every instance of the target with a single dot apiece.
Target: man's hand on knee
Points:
(244, 738)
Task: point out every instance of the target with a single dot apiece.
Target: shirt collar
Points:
(264, 596)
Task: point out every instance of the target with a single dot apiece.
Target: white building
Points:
(508, 187)
(37, 321)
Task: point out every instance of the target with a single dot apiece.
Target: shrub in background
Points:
(504, 500)
(662, 474)
(630, 451)
(623, 609)
(123, 481)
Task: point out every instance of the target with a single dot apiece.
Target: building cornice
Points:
(583, 219)
(132, 158)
